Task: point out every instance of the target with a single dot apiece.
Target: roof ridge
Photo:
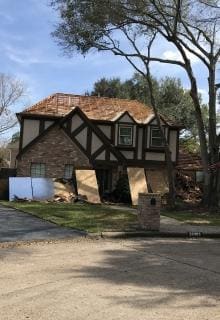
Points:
(97, 97)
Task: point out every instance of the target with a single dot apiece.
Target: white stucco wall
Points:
(96, 143)
(106, 130)
(154, 156)
(30, 131)
(47, 124)
(76, 122)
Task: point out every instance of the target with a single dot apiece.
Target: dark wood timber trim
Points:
(21, 135)
(89, 140)
(136, 143)
(107, 155)
(144, 141)
(98, 132)
(97, 152)
(122, 115)
(102, 122)
(113, 134)
(78, 130)
(155, 150)
(37, 116)
(69, 125)
(77, 143)
(125, 148)
(41, 126)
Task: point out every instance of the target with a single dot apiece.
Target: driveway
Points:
(98, 279)
(16, 226)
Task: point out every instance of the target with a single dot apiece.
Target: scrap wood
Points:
(187, 188)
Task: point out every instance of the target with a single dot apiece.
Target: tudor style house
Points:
(65, 132)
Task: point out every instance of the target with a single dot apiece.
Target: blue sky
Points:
(30, 53)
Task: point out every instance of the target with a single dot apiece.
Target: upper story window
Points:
(125, 135)
(68, 171)
(156, 138)
(38, 170)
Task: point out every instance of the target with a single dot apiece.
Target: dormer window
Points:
(156, 138)
(125, 135)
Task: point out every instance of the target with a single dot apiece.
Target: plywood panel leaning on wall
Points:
(157, 180)
(137, 183)
(87, 185)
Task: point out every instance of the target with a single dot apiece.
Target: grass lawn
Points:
(92, 218)
(194, 218)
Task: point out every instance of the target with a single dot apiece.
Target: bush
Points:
(122, 190)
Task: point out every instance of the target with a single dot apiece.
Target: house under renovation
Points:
(65, 132)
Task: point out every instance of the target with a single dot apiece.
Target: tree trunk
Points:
(213, 146)
(169, 164)
(202, 135)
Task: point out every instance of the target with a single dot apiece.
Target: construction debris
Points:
(187, 189)
(64, 191)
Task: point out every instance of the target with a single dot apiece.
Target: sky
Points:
(29, 52)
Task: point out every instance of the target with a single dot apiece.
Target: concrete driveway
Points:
(17, 226)
(95, 280)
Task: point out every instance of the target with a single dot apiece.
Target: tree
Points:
(172, 99)
(192, 27)
(11, 92)
(15, 137)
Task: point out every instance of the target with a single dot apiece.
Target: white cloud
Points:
(23, 57)
(175, 55)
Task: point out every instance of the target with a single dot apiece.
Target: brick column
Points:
(149, 211)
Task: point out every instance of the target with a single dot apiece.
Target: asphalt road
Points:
(19, 226)
(96, 279)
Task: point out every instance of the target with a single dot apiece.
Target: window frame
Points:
(120, 126)
(151, 137)
(33, 171)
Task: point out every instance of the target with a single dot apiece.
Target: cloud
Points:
(26, 56)
(23, 57)
(175, 55)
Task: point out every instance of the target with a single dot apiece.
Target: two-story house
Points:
(65, 132)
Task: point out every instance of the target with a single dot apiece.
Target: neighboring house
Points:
(190, 164)
(13, 149)
(64, 132)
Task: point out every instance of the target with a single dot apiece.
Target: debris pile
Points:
(64, 191)
(187, 189)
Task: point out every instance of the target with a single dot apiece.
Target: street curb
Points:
(153, 234)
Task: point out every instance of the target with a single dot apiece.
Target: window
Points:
(38, 170)
(156, 138)
(68, 171)
(125, 135)
(199, 176)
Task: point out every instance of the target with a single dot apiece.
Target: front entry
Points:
(104, 181)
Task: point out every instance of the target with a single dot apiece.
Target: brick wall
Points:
(149, 211)
(55, 149)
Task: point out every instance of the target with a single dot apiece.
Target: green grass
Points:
(92, 218)
(194, 217)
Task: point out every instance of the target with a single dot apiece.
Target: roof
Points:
(95, 108)
(189, 161)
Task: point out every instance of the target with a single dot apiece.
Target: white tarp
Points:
(31, 188)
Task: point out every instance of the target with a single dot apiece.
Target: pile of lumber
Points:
(63, 191)
(187, 189)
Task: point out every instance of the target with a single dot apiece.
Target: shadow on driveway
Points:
(19, 226)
